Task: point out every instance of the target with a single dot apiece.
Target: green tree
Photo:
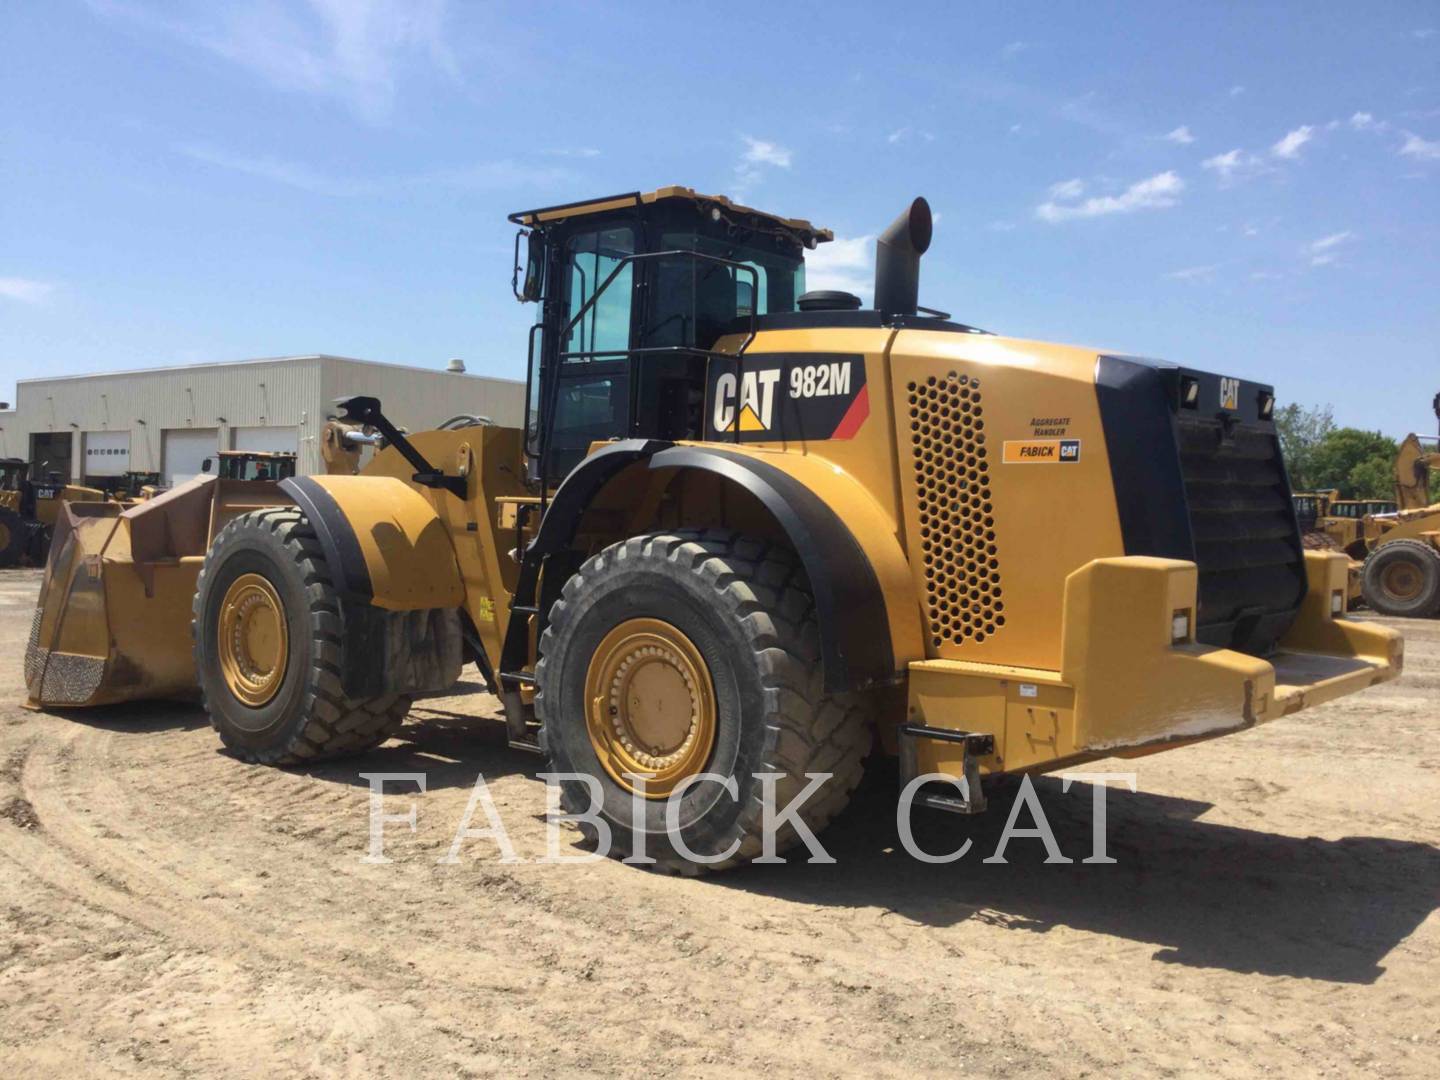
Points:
(1301, 431)
(1373, 478)
(1360, 463)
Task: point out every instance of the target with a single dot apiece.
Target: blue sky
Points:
(1252, 189)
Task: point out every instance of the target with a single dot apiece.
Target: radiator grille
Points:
(957, 526)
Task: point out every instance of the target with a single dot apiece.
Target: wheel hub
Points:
(650, 706)
(1401, 580)
(254, 643)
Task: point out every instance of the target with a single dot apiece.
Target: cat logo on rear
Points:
(1229, 393)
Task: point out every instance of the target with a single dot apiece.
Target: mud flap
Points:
(399, 652)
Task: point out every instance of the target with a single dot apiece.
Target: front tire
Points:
(1402, 578)
(267, 630)
(677, 653)
(14, 537)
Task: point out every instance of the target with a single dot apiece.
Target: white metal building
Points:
(168, 420)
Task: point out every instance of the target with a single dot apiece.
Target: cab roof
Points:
(808, 234)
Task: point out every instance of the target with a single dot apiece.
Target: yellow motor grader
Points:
(747, 534)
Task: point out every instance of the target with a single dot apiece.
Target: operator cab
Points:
(253, 465)
(635, 291)
(12, 473)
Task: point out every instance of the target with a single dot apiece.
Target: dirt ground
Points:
(167, 910)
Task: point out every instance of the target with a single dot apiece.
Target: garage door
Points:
(185, 449)
(282, 440)
(107, 453)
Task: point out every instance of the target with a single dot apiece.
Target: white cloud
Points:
(1362, 120)
(1289, 146)
(485, 175)
(25, 290)
(1265, 275)
(1153, 193)
(1233, 166)
(1325, 243)
(1249, 230)
(1014, 49)
(1001, 226)
(1237, 90)
(761, 152)
(1323, 251)
(1067, 189)
(905, 133)
(574, 152)
(1180, 136)
(1420, 149)
(847, 265)
(1225, 164)
(1423, 34)
(351, 50)
(1194, 273)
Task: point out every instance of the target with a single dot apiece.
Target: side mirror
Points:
(530, 288)
(206, 464)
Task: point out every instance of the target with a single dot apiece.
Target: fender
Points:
(864, 596)
(384, 542)
(391, 560)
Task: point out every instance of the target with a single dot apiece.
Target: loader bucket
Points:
(113, 619)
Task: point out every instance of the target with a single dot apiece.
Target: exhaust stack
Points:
(897, 260)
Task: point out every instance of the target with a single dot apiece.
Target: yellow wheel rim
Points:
(1401, 580)
(650, 706)
(254, 641)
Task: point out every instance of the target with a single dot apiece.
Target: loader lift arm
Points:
(367, 412)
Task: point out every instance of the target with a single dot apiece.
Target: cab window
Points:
(605, 328)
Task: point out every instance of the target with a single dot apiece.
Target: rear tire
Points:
(1402, 578)
(296, 712)
(744, 608)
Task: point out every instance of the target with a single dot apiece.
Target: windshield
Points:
(258, 468)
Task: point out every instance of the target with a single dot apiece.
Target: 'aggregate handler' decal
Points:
(773, 397)
(1041, 451)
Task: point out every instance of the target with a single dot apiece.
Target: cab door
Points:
(592, 363)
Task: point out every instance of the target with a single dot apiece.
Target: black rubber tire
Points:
(37, 543)
(1426, 561)
(309, 719)
(16, 532)
(746, 606)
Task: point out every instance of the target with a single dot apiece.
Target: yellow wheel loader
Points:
(1401, 550)
(29, 510)
(749, 533)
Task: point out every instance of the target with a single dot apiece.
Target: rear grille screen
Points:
(957, 526)
(1247, 545)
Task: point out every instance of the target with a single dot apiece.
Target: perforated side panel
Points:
(957, 526)
(34, 654)
(69, 679)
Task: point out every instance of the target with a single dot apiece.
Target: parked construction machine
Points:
(1401, 549)
(29, 509)
(252, 465)
(746, 533)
